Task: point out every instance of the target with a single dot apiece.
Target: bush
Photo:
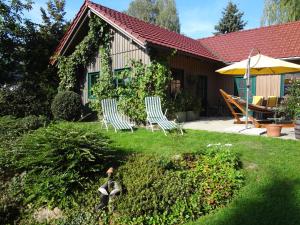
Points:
(26, 98)
(61, 161)
(12, 129)
(66, 106)
(174, 191)
(291, 104)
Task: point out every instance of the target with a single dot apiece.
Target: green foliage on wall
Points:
(145, 80)
(98, 34)
(104, 87)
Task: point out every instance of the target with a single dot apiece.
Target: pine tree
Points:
(167, 15)
(280, 11)
(231, 20)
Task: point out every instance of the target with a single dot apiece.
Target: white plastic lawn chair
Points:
(111, 116)
(156, 116)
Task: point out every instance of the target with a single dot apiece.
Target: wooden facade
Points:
(122, 50)
(200, 77)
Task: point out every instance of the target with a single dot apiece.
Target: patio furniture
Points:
(237, 107)
(111, 116)
(257, 100)
(156, 116)
(272, 101)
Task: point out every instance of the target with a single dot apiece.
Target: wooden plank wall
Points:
(122, 50)
(197, 67)
(268, 85)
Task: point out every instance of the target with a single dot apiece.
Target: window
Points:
(286, 81)
(177, 82)
(92, 79)
(119, 80)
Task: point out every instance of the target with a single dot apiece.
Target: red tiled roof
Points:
(69, 31)
(141, 31)
(277, 41)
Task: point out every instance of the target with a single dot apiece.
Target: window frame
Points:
(89, 75)
(118, 71)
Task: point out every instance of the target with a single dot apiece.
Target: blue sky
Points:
(197, 17)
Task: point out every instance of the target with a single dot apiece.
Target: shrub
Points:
(174, 191)
(60, 161)
(11, 129)
(66, 106)
(26, 98)
(291, 104)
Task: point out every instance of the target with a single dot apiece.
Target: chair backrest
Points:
(109, 107)
(272, 101)
(257, 100)
(153, 107)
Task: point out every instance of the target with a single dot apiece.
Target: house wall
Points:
(122, 50)
(268, 85)
(198, 67)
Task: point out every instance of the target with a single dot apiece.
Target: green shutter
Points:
(92, 79)
(240, 87)
(282, 79)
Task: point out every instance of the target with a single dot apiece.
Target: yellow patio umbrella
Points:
(258, 65)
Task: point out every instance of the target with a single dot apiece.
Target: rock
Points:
(45, 214)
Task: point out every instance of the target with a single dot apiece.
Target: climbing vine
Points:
(104, 87)
(145, 80)
(84, 53)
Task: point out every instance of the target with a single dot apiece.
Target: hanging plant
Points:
(104, 87)
(84, 53)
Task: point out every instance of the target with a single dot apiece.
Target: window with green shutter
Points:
(120, 80)
(92, 79)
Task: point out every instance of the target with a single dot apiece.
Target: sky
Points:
(197, 17)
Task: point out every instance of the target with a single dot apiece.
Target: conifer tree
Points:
(231, 20)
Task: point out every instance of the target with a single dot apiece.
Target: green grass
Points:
(271, 195)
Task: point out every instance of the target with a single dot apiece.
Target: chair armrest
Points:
(166, 112)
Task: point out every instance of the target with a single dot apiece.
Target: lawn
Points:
(271, 195)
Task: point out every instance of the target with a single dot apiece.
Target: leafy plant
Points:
(173, 191)
(104, 87)
(61, 161)
(84, 53)
(66, 106)
(11, 130)
(291, 105)
(145, 80)
(26, 98)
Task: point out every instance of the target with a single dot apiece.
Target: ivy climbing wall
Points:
(122, 51)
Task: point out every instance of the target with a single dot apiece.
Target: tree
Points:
(231, 20)
(160, 12)
(12, 31)
(168, 15)
(280, 11)
(25, 50)
(144, 10)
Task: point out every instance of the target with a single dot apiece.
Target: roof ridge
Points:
(249, 30)
(140, 20)
(154, 26)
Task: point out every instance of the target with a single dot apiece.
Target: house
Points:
(194, 64)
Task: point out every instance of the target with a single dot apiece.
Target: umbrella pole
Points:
(247, 76)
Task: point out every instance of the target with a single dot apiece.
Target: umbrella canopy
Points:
(260, 65)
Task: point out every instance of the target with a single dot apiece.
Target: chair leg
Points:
(151, 125)
(105, 123)
(164, 132)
